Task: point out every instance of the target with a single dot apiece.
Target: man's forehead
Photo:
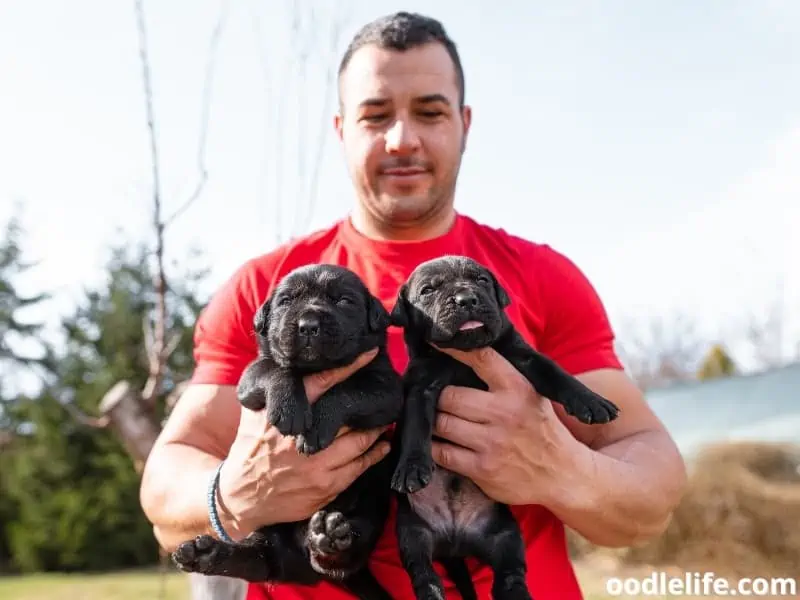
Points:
(380, 73)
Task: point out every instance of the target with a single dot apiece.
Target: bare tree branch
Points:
(205, 117)
(83, 419)
(662, 349)
(322, 133)
(313, 32)
(156, 346)
(768, 334)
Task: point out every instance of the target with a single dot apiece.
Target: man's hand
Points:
(509, 439)
(266, 480)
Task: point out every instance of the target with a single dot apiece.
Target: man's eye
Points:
(374, 118)
(431, 114)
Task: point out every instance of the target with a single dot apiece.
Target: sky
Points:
(657, 144)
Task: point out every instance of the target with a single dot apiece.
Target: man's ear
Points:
(261, 318)
(377, 315)
(502, 296)
(399, 316)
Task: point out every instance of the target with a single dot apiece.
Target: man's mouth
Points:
(405, 172)
(470, 325)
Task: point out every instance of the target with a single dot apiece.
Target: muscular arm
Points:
(194, 440)
(265, 479)
(621, 481)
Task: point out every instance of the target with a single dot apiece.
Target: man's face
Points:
(402, 130)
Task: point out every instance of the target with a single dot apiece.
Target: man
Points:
(403, 124)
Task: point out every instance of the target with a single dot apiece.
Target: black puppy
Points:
(319, 317)
(454, 302)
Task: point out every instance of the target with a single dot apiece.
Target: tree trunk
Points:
(123, 407)
(126, 412)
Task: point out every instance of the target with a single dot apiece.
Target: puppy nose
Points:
(308, 326)
(466, 299)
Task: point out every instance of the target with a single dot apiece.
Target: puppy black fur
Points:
(441, 515)
(319, 317)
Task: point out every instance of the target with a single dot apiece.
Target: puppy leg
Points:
(342, 536)
(288, 408)
(415, 463)
(328, 416)
(250, 560)
(503, 548)
(554, 383)
(252, 387)
(416, 545)
(329, 539)
(366, 400)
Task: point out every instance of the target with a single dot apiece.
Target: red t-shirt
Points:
(553, 305)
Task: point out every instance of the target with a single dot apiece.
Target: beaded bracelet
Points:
(212, 506)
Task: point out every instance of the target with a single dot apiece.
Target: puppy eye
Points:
(482, 279)
(284, 301)
(344, 301)
(425, 290)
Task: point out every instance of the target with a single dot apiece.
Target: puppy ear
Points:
(261, 318)
(377, 315)
(399, 316)
(502, 296)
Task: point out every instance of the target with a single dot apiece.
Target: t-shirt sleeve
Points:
(577, 333)
(224, 341)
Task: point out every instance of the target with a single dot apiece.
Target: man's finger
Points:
(458, 431)
(347, 474)
(348, 447)
(459, 460)
(467, 403)
(319, 383)
(488, 364)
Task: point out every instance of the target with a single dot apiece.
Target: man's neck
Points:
(436, 225)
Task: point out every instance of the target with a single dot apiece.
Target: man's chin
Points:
(405, 203)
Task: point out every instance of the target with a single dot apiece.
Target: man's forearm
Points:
(624, 493)
(173, 495)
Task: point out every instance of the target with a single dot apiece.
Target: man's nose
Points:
(401, 137)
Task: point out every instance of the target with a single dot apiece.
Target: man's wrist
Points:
(574, 487)
(236, 526)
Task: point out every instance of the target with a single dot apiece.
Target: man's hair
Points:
(402, 31)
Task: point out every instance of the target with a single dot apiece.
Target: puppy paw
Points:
(200, 555)
(510, 587)
(412, 474)
(313, 440)
(291, 416)
(591, 409)
(329, 533)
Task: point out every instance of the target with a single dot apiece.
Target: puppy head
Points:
(453, 302)
(320, 317)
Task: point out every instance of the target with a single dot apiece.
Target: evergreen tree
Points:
(76, 487)
(19, 339)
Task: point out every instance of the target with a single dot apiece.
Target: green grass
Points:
(154, 585)
(128, 585)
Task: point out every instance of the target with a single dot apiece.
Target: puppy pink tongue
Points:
(470, 325)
